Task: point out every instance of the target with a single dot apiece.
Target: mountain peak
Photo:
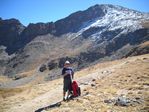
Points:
(108, 7)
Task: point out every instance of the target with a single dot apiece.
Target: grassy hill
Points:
(101, 84)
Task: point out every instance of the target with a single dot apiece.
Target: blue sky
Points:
(33, 11)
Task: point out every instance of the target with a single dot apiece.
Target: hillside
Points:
(99, 33)
(101, 84)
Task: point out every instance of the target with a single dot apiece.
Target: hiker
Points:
(67, 73)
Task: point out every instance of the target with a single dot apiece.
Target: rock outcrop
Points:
(10, 31)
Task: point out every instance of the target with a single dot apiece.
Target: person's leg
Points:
(64, 93)
(68, 94)
(69, 88)
(64, 90)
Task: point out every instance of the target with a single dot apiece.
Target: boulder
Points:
(42, 68)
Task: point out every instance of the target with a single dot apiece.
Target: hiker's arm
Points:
(72, 74)
(65, 74)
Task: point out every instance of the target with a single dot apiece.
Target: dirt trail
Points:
(41, 101)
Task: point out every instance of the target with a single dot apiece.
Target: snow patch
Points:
(115, 18)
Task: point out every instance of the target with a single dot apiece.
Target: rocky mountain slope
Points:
(102, 84)
(102, 32)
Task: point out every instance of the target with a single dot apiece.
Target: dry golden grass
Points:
(131, 80)
(4, 79)
(129, 77)
(27, 74)
(4, 93)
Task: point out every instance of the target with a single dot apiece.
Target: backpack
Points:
(76, 89)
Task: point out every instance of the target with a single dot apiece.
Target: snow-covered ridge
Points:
(116, 17)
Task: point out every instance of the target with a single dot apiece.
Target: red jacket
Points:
(75, 88)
